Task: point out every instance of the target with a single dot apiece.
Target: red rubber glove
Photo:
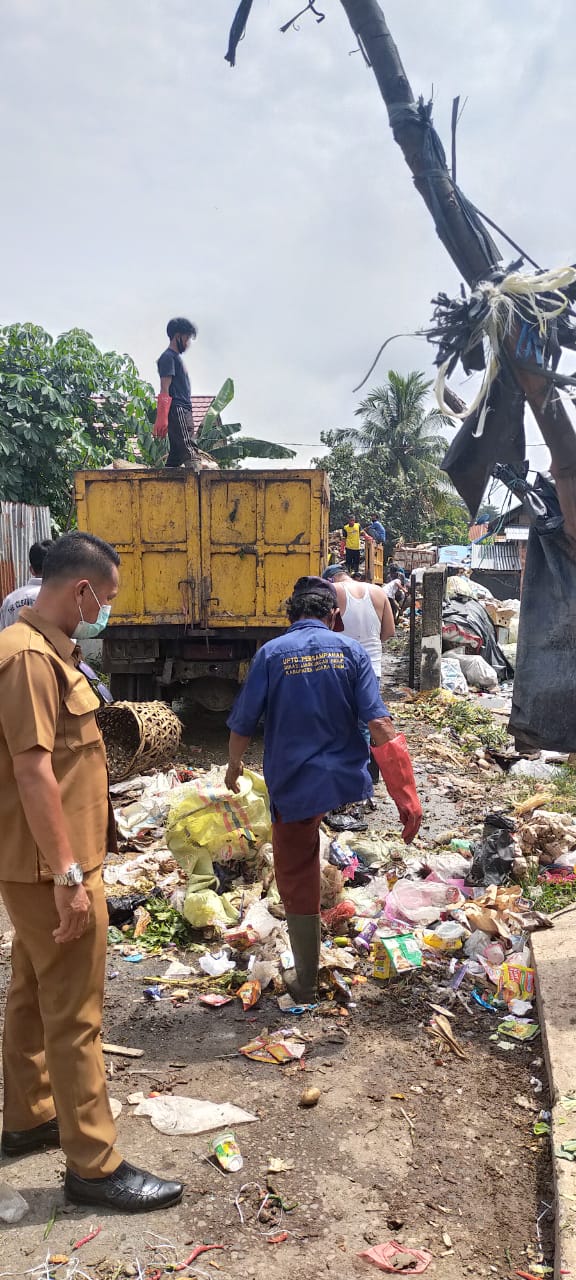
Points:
(161, 424)
(395, 765)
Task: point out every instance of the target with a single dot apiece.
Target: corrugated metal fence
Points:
(20, 526)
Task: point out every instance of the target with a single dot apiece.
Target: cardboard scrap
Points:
(278, 1048)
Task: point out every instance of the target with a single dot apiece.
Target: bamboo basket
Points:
(138, 736)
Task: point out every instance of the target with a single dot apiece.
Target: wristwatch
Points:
(72, 877)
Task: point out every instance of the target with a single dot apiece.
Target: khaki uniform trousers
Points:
(52, 1053)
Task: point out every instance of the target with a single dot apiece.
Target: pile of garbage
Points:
(479, 637)
(203, 878)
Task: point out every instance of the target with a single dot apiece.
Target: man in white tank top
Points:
(365, 611)
(367, 616)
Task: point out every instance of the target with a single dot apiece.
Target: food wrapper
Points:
(249, 993)
(396, 954)
(242, 939)
(515, 1029)
(516, 982)
(279, 1048)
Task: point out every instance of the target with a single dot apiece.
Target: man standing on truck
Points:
(174, 412)
(56, 831)
(351, 532)
(313, 687)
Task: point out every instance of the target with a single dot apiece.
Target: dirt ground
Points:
(407, 1141)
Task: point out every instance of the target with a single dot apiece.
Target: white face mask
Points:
(89, 630)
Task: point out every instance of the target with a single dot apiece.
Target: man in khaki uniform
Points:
(54, 818)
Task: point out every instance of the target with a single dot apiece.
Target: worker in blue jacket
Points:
(313, 686)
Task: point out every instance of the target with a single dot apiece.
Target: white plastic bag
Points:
(453, 677)
(173, 1114)
(259, 918)
(13, 1206)
(478, 672)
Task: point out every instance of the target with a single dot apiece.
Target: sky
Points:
(143, 178)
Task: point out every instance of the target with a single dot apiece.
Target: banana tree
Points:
(223, 441)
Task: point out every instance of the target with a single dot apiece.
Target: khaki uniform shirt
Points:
(46, 702)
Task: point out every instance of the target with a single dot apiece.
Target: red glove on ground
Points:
(161, 424)
(395, 766)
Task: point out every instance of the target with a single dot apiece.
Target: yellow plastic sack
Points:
(225, 825)
(203, 907)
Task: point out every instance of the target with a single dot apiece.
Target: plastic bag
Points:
(203, 908)
(422, 902)
(478, 672)
(453, 677)
(483, 944)
(494, 856)
(258, 917)
(13, 1206)
(446, 936)
(450, 866)
(208, 817)
(172, 1114)
(540, 770)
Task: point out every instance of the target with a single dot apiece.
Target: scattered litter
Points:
(516, 1029)
(86, 1239)
(278, 1048)
(214, 1001)
(178, 970)
(249, 993)
(276, 1165)
(395, 954)
(397, 1259)
(217, 964)
(13, 1206)
(173, 1114)
(441, 1029)
(227, 1152)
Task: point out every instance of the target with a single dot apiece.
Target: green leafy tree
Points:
(223, 441)
(396, 417)
(360, 483)
(65, 405)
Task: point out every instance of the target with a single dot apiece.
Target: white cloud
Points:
(144, 177)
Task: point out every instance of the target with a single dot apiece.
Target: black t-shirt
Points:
(170, 365)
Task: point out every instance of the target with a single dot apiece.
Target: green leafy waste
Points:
(167, 926)
(473, 724)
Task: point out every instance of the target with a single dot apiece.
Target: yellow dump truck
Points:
(207, 561)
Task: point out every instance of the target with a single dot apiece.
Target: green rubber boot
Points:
(302, 980)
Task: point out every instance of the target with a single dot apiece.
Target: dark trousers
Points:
(352, 561)
(183, 447)
(297, 864)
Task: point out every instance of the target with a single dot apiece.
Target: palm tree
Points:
(395, 417)
(216, 437)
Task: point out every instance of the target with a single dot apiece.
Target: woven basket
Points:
(138, 736)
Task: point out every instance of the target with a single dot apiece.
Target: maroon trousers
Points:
(297, 864)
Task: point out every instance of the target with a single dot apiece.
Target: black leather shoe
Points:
(23, 1142)
(128, 1189)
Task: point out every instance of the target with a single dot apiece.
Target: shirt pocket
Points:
(80, 725)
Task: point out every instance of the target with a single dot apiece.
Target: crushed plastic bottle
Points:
(13, 1206)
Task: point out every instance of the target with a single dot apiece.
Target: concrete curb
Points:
(554, 954)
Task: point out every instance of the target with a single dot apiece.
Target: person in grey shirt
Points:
(25, 596)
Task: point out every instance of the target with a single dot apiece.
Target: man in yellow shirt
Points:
(351, 533)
